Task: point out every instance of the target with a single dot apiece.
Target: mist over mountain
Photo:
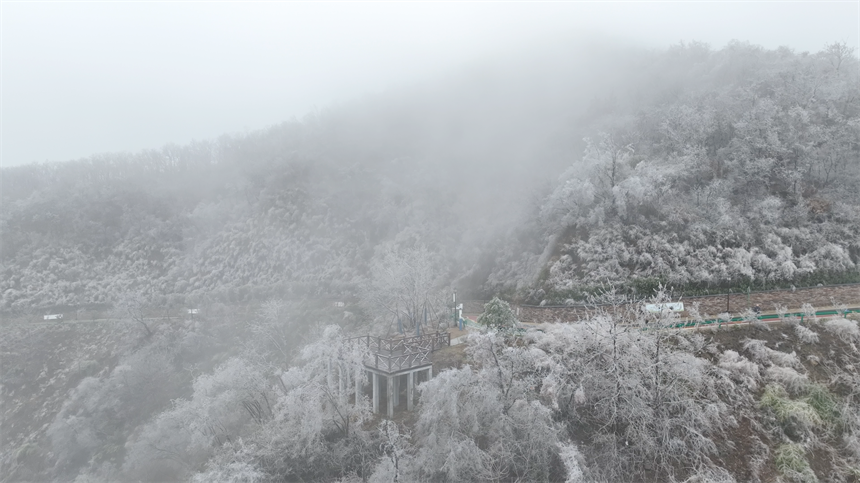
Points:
(589, 171)
(741, 172)
(592, 164)
(449, 164)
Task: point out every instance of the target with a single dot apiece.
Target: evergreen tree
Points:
(498, 316)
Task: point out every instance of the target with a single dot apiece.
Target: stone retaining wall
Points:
(711, 305)
(768, 301)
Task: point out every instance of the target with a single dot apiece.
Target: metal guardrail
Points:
(432, 341)
(400, 362)
(398, 354)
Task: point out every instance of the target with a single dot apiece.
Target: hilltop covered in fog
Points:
(741, 172)
(538, 174)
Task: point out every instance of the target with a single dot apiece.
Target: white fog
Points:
(430, 242)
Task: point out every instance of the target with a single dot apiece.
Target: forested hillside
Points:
(261, 398)
(691, 167)
(297, 208)
(743, 173)
(593, 172)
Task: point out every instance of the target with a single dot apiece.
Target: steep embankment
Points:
(803, 403)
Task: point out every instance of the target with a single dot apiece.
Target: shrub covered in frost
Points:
(711, 475)
(806, 335)
(765, 355)
(740, 368)
(809, 313)
(851, 432)
(845, 329)
(572, 460)
(792, 380)
(791, 462)
(231, 472)
(789, 413)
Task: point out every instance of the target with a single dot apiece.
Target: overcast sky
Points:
(85, 78)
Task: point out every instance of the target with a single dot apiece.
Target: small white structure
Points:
(667, 307)
(54, 317)
(193, 311)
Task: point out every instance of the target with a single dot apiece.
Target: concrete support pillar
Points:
(390, 390)
(375, 378)
(430, 373)
(410, 390)
(396, 390)
(358, 385)
(342, 384)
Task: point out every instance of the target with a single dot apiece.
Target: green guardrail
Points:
(466, 322)
(763, 317)
(471, 323)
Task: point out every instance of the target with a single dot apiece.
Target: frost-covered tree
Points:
(487, 423)
(276, 333)
(223, 407)
(103, 410)
(498, 316)
(652, 406)
(255, 422)
(394, 445)
(404, 289)
(732, 181)
(131, 307)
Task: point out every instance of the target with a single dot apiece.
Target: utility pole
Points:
(454, 310)
(727, 300)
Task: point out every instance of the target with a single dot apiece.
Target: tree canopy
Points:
(498, 316)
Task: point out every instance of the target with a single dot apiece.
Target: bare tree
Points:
(276, 335)
(836, 54)
(648, 407)
(404, 289)
(130, 306)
